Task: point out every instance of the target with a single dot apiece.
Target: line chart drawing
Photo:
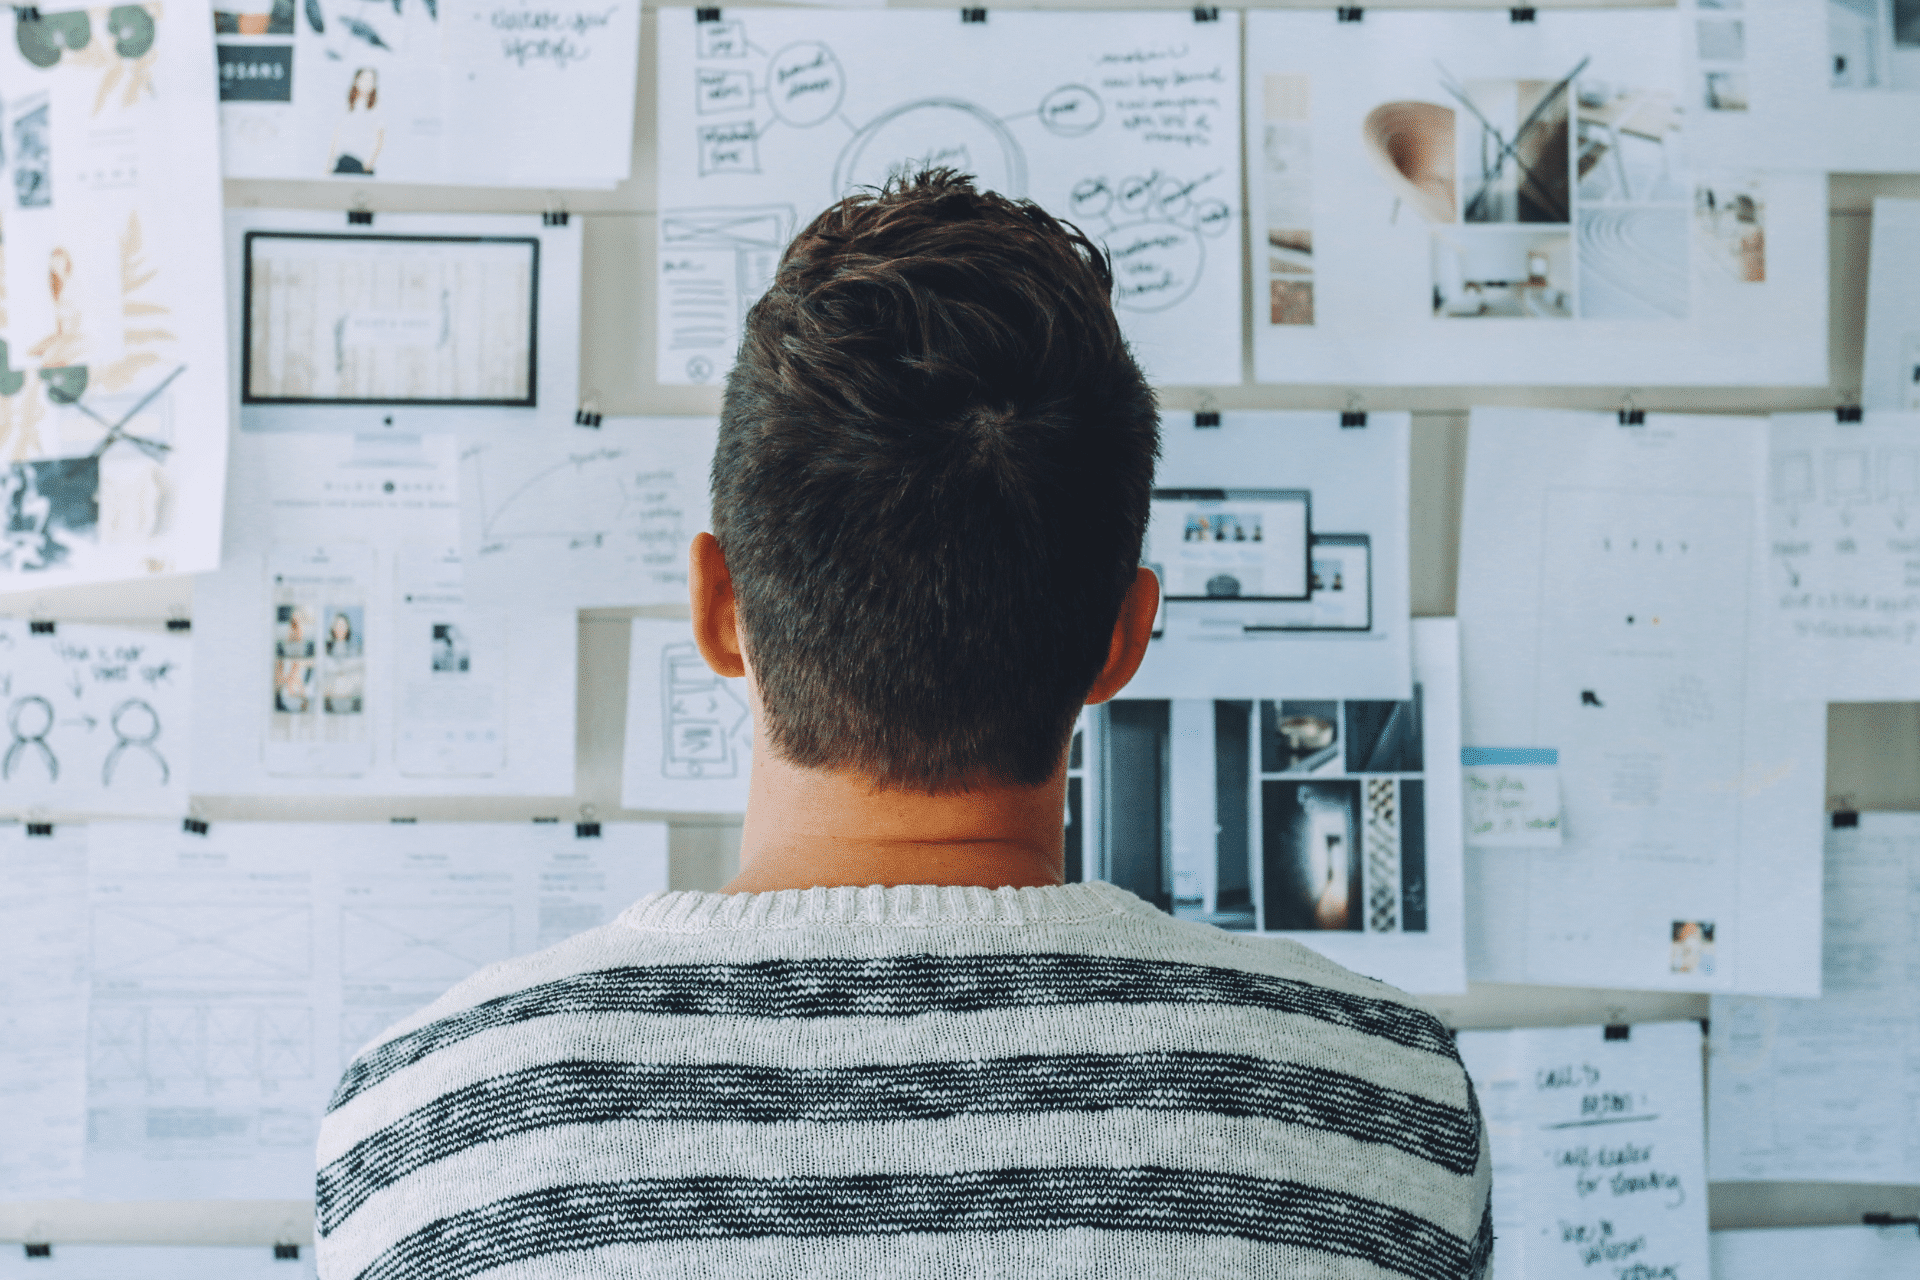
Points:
(196, 940)
(422, 943)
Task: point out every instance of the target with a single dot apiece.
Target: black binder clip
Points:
(973, 15)
(1206, 418)
(1866, 1220)
(1348, 13)
(585, 417)
(586, 831)
(541, 822)
(38, 1250)
(1520, 15)
(1848, 413)
(286, 1253)
(194, 826)
(179, 624)
(1633, 417)
(28, 13)
(1617, 1031)
(1845, 818)
(402, 822)
(706, 15)
(1353, 417)
(40, 627)
(554, 218)
(1206, 15)
(359, 217)
(39, 828)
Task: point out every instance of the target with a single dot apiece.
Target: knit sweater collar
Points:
(878, 906)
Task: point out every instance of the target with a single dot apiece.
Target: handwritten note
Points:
(1512, 796)
(1598, 1150)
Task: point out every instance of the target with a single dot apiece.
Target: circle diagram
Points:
(931, 133)
(1072, 111)
(805, 83)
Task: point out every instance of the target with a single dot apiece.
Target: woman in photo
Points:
(358, 137)
(341, 642)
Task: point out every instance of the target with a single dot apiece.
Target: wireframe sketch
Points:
(155, 942)
(706, 725)
(422, 943)
(389, 319)
(136, 732)
(170, 1043)
(714, 263)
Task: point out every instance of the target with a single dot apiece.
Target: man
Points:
(897, 1044)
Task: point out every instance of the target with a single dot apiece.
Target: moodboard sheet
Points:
(1841, 613)
(585, 517)
(689, 732)
(1597, 1160)
(1828, 1090)
(1330, 820)
(1456, 198)
(43, 1011)
(96, 719)
(1815, 85)
(409, 322)
(1608, 580)
(344, 653)
(236, 973)
(113, 400)
(1832, 1253)
(503, 93)
(1125, 123)
(1890, 364)
(155, 1262)
(1280, 541)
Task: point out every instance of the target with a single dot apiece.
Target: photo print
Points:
(1692, 947)
(1730, 226)
(1874, 44)
(1287, 144)
(317, 722)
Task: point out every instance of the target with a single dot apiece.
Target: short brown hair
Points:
(934, 464)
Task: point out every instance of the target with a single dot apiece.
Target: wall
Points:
(1873, 753)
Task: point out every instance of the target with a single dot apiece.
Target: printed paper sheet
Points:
(1456, 198)
(689, 732)
(43, 1011)
(1281, 543)
(590, 517)
(1125, 123)
(1328, 818)
(1841, 613)
(505, 93)
(1597, 1160)
(1890, 365)
(237, 972)
(1828, 1090)
(352, 658)
(1608, 579)
(113, 405)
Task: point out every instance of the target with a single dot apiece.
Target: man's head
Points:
(931, 486)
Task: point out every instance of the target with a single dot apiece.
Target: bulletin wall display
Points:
(1329, 819)
(1124, 123)
(1608, 579)
(411, 322)
(351, 658)
(159, 1261)
(1280, 542)
(1449, 198)
(1890, 365)
(504, 93)
(1822, 85)
(113, 403)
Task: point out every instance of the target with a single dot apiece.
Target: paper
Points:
(237, 972)
(1608, 576)
(1841, 613)
(113, 408)
(1833, 1253)
(1456, 198)
(43, 1011)
(1125, 123)
(1828, 1090)
(1280, 540)
(1890, 372)
(1332, 820)
(1597, 1161)
(1809, 84)
(412, 322)
(586, 517)
(156, 1262)
(503, 93)
(351, 658)
(689, 731)
(95, 719)
(1512, 796)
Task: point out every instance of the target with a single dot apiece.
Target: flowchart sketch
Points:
(689, 731)
(1125, 124)
(594, 517)
(1841, 613)
(93, 719)
(1610, 576)
(1453, 197)
(1890, 365)
(43, 1011)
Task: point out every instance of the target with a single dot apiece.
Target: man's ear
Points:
(716, 623)
(1132, 632)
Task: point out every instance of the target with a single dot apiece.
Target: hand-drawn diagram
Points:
(707, 728)
(212, 1043)
(422, 943)
(194, 941)
(1134, 141)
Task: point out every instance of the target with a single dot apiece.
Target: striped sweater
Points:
(912, 1081)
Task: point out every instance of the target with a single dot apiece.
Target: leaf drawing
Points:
(360, 30)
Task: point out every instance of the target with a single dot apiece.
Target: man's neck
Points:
(809, 828)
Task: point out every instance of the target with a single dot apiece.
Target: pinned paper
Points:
(1512, 796)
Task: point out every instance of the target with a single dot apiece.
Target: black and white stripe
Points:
(586, 1093)
(899, 987)
(590, 1216)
